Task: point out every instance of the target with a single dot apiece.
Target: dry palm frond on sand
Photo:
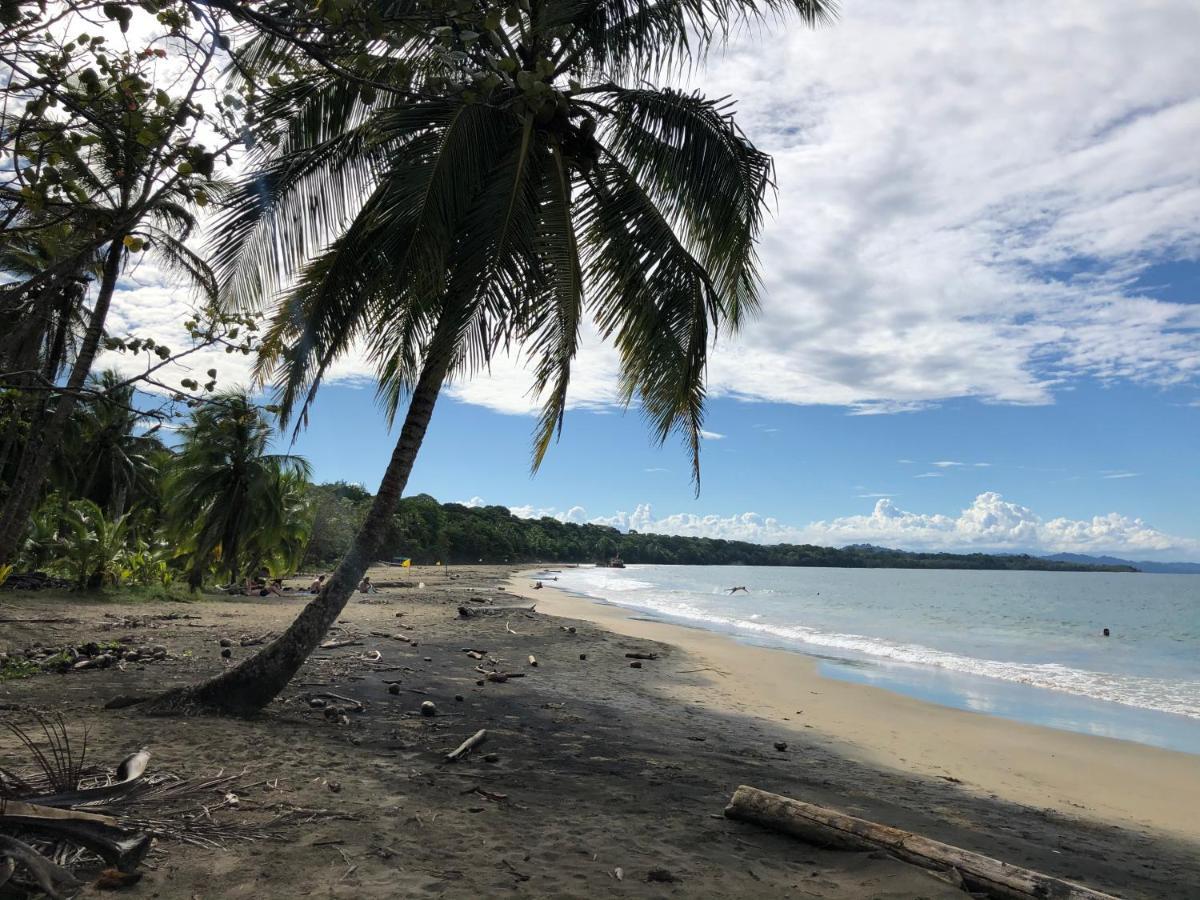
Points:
(63, 822)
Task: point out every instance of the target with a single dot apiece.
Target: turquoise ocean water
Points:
(1022, 645)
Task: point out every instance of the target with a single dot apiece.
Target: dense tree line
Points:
(451, 533)
(120, 506)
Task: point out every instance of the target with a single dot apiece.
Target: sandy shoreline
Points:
(590, 766)
(1104, 779)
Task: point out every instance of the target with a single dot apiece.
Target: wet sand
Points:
(1111, 781)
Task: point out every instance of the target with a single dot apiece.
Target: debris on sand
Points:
(81, 657)
(64, 823)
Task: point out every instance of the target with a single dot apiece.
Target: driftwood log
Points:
(468, 745)
(471, 612)
(829, 828)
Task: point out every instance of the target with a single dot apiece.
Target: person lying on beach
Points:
(318, 583)
(365, 586)
(742, 588)
(537, 585)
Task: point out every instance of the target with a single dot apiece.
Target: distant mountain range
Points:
(1157, 568)
(1074, 559)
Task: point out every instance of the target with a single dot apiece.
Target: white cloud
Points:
(942, 169)
(929, 475)
(711, 436)
(473, 502)
(948, 464)
(575, 514)
(990, 523)
(1122, 475)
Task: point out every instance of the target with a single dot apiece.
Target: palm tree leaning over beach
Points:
(510, 186)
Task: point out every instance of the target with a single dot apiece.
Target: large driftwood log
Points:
(829, 828)
(470, 612)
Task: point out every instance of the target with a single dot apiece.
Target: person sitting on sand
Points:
(274, 586)
(742, 588)
(537, 585)
(318, 583)
(365, 586)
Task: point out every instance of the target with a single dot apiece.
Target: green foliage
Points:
(91, 546)
(41, 544)
(15, 667)
(232, 507)
(338, 511)
(147, 564)
(106, 458)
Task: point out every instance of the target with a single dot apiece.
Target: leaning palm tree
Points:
(225, 492)
(512, 178)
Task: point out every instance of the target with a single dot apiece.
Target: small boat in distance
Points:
(614, 563)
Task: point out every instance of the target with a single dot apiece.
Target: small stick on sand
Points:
(467, 746)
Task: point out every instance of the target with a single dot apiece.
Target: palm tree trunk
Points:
(31, 470)
(250, 686)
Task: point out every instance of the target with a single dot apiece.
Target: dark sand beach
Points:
(597, 779)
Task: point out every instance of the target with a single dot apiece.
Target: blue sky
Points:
(985, 251)
(1096, 450)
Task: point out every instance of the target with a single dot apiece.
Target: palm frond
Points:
(709, 181)
(654, 299)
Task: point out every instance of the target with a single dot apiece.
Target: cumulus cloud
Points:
(576, 514)
(967, 195)
(711, 435)
(990, 523)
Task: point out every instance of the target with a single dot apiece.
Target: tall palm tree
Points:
(226, 495)
(106, 460)
(509, 185)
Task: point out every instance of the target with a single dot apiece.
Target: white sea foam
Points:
(1180, 697)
